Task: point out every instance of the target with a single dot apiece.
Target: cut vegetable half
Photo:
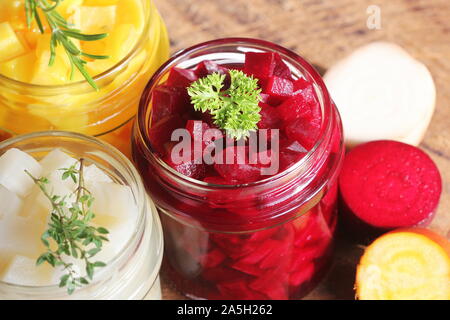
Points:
(408, 264)
(382, 93)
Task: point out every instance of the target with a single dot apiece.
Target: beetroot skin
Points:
(388, 184)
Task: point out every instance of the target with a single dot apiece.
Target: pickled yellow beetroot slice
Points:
(387, 184)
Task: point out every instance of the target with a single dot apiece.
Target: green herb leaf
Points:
(235, 109)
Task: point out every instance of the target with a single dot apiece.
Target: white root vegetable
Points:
(93, 174)
(10, 203)
(382, 93)
(13, 164)
(23, 271)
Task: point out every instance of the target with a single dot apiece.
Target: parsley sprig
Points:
(234, 109)
(62, 34)
(71, 230)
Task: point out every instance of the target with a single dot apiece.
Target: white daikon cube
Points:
(118, 237)
(93, 174)
(53, 162)
(21, 236)
(23, 271)
(13, 164)
(10, 203)
(112, 202)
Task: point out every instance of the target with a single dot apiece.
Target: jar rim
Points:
(97, 78)
(324, 100)
(141, 197)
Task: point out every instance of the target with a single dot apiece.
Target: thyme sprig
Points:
(70, 230)
(62, 34)
(234, 109)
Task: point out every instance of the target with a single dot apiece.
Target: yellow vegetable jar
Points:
(36, 97)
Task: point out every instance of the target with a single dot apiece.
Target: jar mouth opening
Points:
(97, 78)
(140, 197)
(244, 45)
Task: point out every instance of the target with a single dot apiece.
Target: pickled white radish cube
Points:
(10, 203)
(118, 238)
(23, 271)
(113, 200)
(21, 236)
(38, 206)
(55, 160)
(94, 174)
(13, 164)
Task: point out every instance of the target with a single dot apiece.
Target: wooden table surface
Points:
(324, 31)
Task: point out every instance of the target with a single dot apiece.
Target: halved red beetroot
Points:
(240, 170)
(260, 64)
(169, 101)
(305, 131)
(181, 77)
(208, 67)
(389, 184)
(160, 133)
(269, 117)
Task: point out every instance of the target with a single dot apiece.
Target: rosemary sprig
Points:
(62, 34)
(71, 230)
(235, 109)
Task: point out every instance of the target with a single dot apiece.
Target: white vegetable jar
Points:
(133, 273)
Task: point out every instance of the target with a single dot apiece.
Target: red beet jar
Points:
(270, 239)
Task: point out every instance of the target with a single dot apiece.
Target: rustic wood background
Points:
(324, 31)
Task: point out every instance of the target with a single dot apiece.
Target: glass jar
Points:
(134, 272)
(270, 239)
(76, 106)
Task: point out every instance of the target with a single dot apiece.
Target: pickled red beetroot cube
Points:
(306, 89)
(293, 108)
(303, 274)
(188, 166)
(208, 67)
(304, 131)
(260, 252)
(247, 268)
(260, 64)
(168, 101)
(213, 258)
(181, 77)
(197, 130)
(292, 146)
(238, 169)
(269, 117)
(281, 69)
(160, 133)
(272, 284)
(277, 87)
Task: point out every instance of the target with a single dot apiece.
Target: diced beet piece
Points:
(181, 77)
(293, 108)
(277, 87)
(247, 268)
(260, 252)
(213, 258)
(208, 67)
(197, 130)
(263, 234)
(239, 170)
(269, 117)
(304, 274)
(306, 89)
(189, 167)
(388, 184)
(281, 69)
(169, 101)
(160, 133)
(292, 146)
(273, 284)
(304, 131)
(260, 64)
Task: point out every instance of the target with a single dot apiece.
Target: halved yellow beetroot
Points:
(406, 264)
